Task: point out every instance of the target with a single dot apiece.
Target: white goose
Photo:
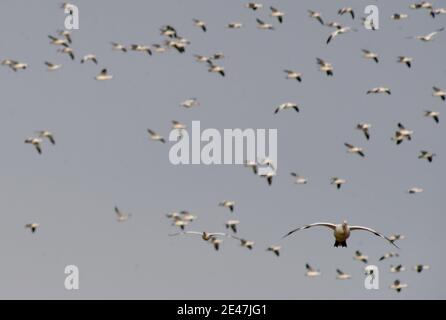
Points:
(67, 50)
(141, 48)
(121, 215)
(406, 60)
(338, 32)
(287, 105)
(389, 255)
(342, 275)
(430, 36)
(254, 6)
(200, 24)
(290, 74)
(32, 226)
(118, 47)
(352, 149)
(402, 133)
(263, 25)
(48, 135)
(378, 90)
(360, 257)
(245, 243)
(420, 267)
(176, 125)
(252, 164)
(190, 103)
(429, 156)
(234, 25)
(232, 224)
(299, 179)
(277, 14)
(338, 182)
(365, 128)
(311, 272)
(36, 142)
(155, 136)
(274, 249)
(206, 236)
(104, 75)
(52, 66)
(398, 286)
(438, 11)
(89, 57)
(433, 114)
(415, 190)
(439, 93)
(15, 65)
(325, 67)
(397, 269)
(227, 204)
(421, 5)
(347, 10)
(217, 69)
(58, 42)
(399, 16)
(367, 54)
(341, 232)
(216, 242)
(316, 15)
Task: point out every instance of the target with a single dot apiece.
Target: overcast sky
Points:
(103, 157)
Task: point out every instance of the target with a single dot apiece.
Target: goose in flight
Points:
(439, 93)
(380, 90)
(290, 74)
(190, 103)
(232, 224)
(347, 10)
(402, 133)
(48, 135)
(67, 50)
(338, 182)
(206, 236)
(121, 215)
(32, 226)
(341, 232)
(438, 11)
(286, 105)
(274, 249)
(103, 75)
(342, 275)
(254, 6)
(36, 142)
(429, 156)
(421, 5)
(180, 223)
(397, 269)
(52, 66)
(415, 190)
(234, 25)
(227, 204)
(367, 54)
(252, 164)
(141, 48)
(217, 69)
(430, 36)
(66, 34)
(118, 47)
(433, 114)
(200, 58)
(299, 179)
(276, 13)
(216, 242)
(245, 243)
(155, 136)
(389, 255)
(179, 45)
(159, 48)
(200, 24)
(268, 162)
(311, 272)
(337, 32)
(58, 42)
(176, 125)
(398, 286)
(89, 57)
(187, 216)
(263, 25)
(399, 16)
(360, 257)
(352, 149)
(168, 31)
(420, 267)
(15, 65)
(316, 15)
(325, 66)
(334, 24)
(365, 128)
(406, 60)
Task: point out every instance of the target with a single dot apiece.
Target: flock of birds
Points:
(173, 41)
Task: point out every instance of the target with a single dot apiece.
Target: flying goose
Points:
(407, 60)
(176, 125)
(389, 255)
(342, 275)
(337, 32)
(118, 47)
(287, 105)
(103, 75)
(402, 133)
(217, 69)
(276, 13)
(399, 16)
(290, 74)
(232, 224)
(415, 190)
(121, 215)
(187, 216)
(268, 162)
(190, 103)
(398, 286)
(88, 57)
(421, 5)
(316, 15)
(234, 25)
(57, 41)
(251, 164)
(48, 135)
(227, 204)
(67, 50)
(438, 11)
(66, 34)
(352, 149)
(433, 114)
(274, 249)
(36, 142)
(380, 90)
(338, 182)
(206, 236)
(15, 65)
(216, 242)
(245, 243)
(430, 36)
(420, 267)
(155, 136)
(397, 269)
(218, 56)
(367, 54)
(32, 226)
(334, 24)
(180, 46)
(347, 10)
(159, 48)
(168, 31)
(299, 179)
(364, 127)
(311, 272)
(439, 93)
(140, 48)
(52, 66)
(200, 58)
(180, 223)
(254, 6)
(325, 66)
(426, 155)
(200, 24)
(360, 257)
(263, 25)
(341, 232)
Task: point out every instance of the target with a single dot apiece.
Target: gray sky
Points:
(103, 157)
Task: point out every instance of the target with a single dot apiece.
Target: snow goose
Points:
(341, 232)
(420, 267)
(433, 114)
(263, 25)
(406, 60)
(66, 34)
(325, 66)
(352, 149)
(290, 74)
(334, 24)
(421, 5)
(58, 42)
(234, 25)
(168, 31)
(316, 15)
(438, 11)
(367, 54)
(277, 14)
(365, 128)
(103, 75)
(389, 255)
(245, 243)
(311, 272)
(380, 90)
(118, 47)
(159, 48)
(14, 65)
(141, 48)
(268, 162)
(227, 204)
(48, 135)
(402, 133)
(415, 190)
(399, 16)
(176, 125)
(216, 242)
(360, 257)
(67, 50)
(180, 223)
(36, 142)
(252, 164)
(155, 136)
(52, 66)
(206, 236)
(342, 275)
(122, 216)
(32, 226)
(217, 69)
(430, 36)
(274, 249)
(429, 156)
(180, 46)
(286, 105)
(338, 182)
(439, 93)
(397, 269)
(347, 10)
(200, 24)
(337, 32)
(89, 57)
(254, 6)
(200, 58)
(187, 216)
(232, 224)
(190, 103)
(299, 179)
(398, 286)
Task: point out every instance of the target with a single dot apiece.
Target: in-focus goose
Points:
(274, 249)
(429, 156)
(52, 66)
(338, 32)
(290, 74)
(415, 190)
(347, 10)
(155, 136)
(420, 267)
(341, 232)
(397, 269)
(325, 66)
(254, 6)
(430, 36)
(352, 149)
(342, 275)
(316, 15)
(67, 50)
(360, 257)
(367, 54)
(399, 16)
(380, 90)
(389, 255)
(58, 42)
(200, 24)
(121, 215)
(190, 103)
(421, 5)
(36, 142)
(263, 25)
(433, 114)
(398, 286)
(276, 13)
(365, 128)
(89, 57)
(118, 47)
(252, 164)
(311, 272)
(141, 48)
(48, 135)
(227, 204)
(234, 25)
(232, 224)
(32, 226)
(217, 69)
(338, 182)
(103, 75)
(439, 93)
(287, 105)
(299, 179)
(406, 60)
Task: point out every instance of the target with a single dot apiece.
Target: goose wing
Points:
(323, 224)
(352, 228)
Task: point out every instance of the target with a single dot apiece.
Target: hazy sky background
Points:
(103, 156)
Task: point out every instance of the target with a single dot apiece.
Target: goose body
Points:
(104, 75)
(287, 105)
(433, 114)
